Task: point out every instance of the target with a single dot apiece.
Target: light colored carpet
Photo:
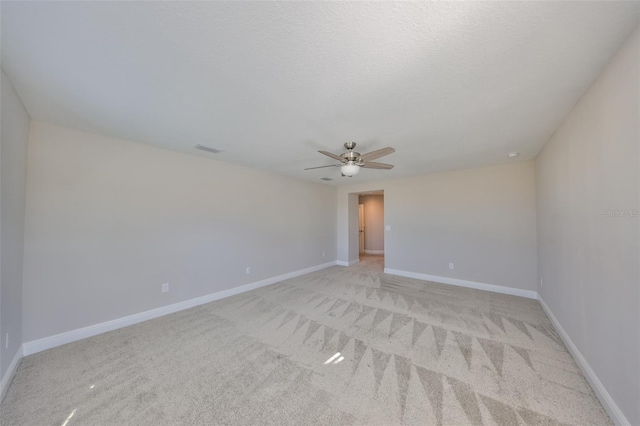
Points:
(409, 352)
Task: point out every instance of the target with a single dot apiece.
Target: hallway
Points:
(370, 263)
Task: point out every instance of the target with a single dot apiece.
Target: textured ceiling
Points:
(449, 85)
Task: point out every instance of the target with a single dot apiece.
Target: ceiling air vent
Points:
(326, 179)
(207, 149)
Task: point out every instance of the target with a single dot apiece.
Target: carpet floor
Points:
(338, 346)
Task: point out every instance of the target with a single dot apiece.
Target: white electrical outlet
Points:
(387, 228)
(248, 270)
(165, 287)
(6, 341)
(322, 254)
(540, 282)
(451, 265)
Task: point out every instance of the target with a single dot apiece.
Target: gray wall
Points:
(108, 221)
(354, 242)
(589, 261)
(483, 220)
(14, 136)
(347, 219)
(373, 221)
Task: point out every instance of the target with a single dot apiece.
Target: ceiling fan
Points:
(351, 161)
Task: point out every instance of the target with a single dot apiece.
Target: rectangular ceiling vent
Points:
(207, 149)
(326, 179)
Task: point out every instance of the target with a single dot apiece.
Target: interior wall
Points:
(353, 246)
(373, 223)
(482, 220)
(588, 190)
(14, 134)
(109, 221)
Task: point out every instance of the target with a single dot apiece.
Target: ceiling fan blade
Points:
(322, 167)
(329, 154)
(377, 154)
(373, 165)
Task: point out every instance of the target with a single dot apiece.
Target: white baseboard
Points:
(347, 263)
(11, 371)
(374, 251)
(93, 330)
(530, 294)
(607, 402)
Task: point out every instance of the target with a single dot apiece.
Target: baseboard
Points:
(93, 330)
(530, 294)
(374, 251)
(607, 402)
(347, 263)
(11, 371)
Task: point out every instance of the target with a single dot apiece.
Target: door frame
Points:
(361, 225)
(348, 238)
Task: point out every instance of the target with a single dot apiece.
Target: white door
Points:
(361, 226)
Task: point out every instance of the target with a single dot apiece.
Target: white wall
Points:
(590, 262)
(373, 222)
(14, 134)
(483, 220)
(108, 221)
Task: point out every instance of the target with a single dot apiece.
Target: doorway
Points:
(361, 228)
(371, 226)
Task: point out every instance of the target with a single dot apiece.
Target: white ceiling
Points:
(450, 85)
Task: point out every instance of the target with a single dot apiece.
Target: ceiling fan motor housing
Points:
(350, 156)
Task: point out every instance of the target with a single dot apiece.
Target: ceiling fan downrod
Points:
(351, 156)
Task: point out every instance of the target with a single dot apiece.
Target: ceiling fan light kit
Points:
(351, 161)
(350, 169)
